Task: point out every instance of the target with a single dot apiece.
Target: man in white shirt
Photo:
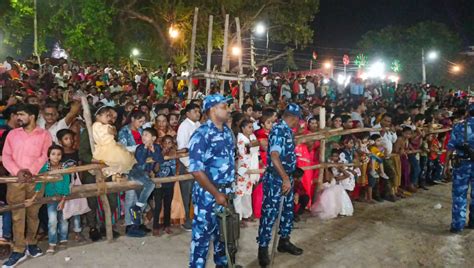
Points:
(389, 137)
(310, 88)
(49, 119)
(185, 130)
(358, 108)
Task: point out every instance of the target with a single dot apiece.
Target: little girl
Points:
(247, 159)
(59, 188)
(334, 199)
(107, 150)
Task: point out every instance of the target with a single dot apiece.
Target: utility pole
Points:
(423, 66)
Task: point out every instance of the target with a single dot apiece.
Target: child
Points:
(301, 198)
(435, 169)
(334, 199)
(70, 158)
(348, 155)
(401, 146)
(117, 158)
(149, 158)
(59, 188)
(364, 153)
(376, 165)
(164, 195)
(247, 159)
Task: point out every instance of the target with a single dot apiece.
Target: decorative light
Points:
(396, 66)
(361, 60)
(327, 65)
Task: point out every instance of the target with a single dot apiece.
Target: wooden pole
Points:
(191, 54)
(209, 52)
(322, 153)
(224, 50)
(98, 174)
(241, 70)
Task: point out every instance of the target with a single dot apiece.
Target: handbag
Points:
(75, 207)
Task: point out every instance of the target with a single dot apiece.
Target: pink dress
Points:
(304, 159)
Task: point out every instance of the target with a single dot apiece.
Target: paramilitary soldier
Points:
(211, 158)
(461, 144)
(277, 184)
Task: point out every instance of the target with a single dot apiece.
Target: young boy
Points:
(376, 168)
(70, 157)
(149, 158)
(164, 195)
(435, 169)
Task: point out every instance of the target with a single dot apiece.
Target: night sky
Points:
(341, 23)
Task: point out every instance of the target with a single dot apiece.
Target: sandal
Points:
(51, 249)
(167, 230)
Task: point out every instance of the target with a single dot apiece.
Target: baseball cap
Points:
(212, 100)
(294, 109)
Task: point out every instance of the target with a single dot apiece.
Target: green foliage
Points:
(106, 30)
(405, 44)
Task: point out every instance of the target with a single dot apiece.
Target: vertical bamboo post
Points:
(239, 43)
(209, 52)
(191, 54)
(99, 178)
(224, 50)
(322, 153)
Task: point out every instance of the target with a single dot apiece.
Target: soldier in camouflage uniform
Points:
(277, 184)
(462, 142)
(211, 157)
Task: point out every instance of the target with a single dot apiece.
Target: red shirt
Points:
(137, 137)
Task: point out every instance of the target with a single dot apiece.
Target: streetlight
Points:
(432, 55)
(260, 29)
(236, 51)
(327, 65)
(173, 32)
(456, 69)
(135, 52)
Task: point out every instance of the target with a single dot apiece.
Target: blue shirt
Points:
(282, 140)
(142, 155)
(457, 136)
(212, 151)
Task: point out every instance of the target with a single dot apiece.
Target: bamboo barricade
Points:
(91, 190)
(101, 188)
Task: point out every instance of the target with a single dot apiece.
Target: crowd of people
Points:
(143, 125)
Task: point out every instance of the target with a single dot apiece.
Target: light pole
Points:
(259, 29)
(432, 55)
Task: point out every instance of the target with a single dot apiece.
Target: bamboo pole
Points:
(191, 54)
(98, 174)
(38, 178)
(224, 50)
(322, 153)
(241, 70)
(209, 52)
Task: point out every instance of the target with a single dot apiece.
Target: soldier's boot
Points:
(263, 258)
(284, 245)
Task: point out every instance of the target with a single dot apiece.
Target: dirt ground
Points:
(409, 233)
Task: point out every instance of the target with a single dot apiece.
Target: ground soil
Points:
(408, 233)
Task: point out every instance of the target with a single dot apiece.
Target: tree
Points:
(405, 44)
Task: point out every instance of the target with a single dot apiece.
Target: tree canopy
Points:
(106, 30)
(406, 43)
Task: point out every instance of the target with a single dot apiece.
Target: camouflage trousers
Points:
(271, 203)
(463, 176)
(205, 229)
